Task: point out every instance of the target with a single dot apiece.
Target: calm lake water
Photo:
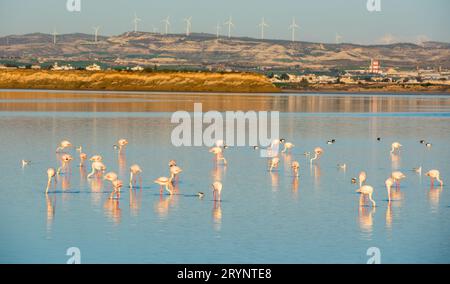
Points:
(263, 218)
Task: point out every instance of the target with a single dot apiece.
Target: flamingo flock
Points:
(166, 183)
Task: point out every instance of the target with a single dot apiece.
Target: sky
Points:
(319, 20)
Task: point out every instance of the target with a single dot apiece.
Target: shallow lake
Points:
(263, 217)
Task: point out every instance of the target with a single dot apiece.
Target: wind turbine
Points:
(166, 21)
(136, 20)
(230, 24)
(292, 27)
(96, 33)
(218, 27)
(188, 25)
(262, 25)
(54, 36)
(338, 38)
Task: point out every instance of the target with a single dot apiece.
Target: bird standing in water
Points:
(134, 171)
(116, 183)
(217, 190)
(97, 168)
(395, 147)
(434, 175)
(274, 163)
(367, 190)
(362, 178)
(174, 172)
(63, 145)
(288, 147)
(317, 153)
(389, 183)
(164, 181)
(51, 174)
(397, 177)
(121, 144)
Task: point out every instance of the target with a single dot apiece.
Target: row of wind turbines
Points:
(293, 27)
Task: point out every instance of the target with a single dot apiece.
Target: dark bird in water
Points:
(428, 145)
(255, 147)
(422, 141)
(200, 195)
(282, 140)
(378, 138)
(331, 141)
(225, 146)
(354, 180)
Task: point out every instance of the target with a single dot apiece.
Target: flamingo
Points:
(175, 171)
(116, 183)
(217, 151)
(135, 170)
(63, 145)
(295, 167)
(274, 163)
(217, 190)
(164, 181)
(362, 178)
(83, 157)
(395, 147)
(121, 144)
(389, 183)
(434, 174)
(96, 158)
(97, 167)
(397, 176)
(111, 176)
(51, 174)
(317, 153)
(288, 147)
(65, 160)
(172, 163)
(367, 190)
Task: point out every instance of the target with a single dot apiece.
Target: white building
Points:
(137, 68)
(93, 67)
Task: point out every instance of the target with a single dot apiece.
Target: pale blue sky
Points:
(320, 20)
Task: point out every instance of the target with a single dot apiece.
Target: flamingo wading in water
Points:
(97, 168)
(434, 175)
(217, 190)
(317, 153)
(389, 183)
(367, 190)
(63, 145)
(134, 171)
(51, 174)
(395, 147)
(362, 178)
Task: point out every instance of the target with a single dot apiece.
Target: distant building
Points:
(35, 67)
(2, 66)
(137, 68)
(56, 67)
(375, 67)
(93, 67)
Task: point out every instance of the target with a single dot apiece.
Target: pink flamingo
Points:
(367, 190)
(164, 181)
(395, 147)
(317, 153)
(63, 145)
(362, 178)
(389, 183)
(434, 175)
(116, 183)
(121, 144)
(51, 174)
(97, 168)
(175, 171)
(397, 176)
(217, 190)
(96, 158)
(217, 151)
(83, 157)
(134, 171)
(288, 147)
(274, 163)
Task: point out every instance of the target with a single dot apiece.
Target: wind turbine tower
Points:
(96, 33)
(166, 22)
(136, 21)
(293, 27)
(263, 25)
(54, 36)
(188, 25)
(230, 24)
(218, 27)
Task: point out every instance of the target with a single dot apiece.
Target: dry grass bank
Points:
(136, 81)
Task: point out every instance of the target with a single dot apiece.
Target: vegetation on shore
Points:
(136, 81)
